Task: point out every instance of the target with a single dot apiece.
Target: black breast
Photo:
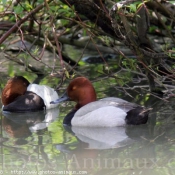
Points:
(68, 118)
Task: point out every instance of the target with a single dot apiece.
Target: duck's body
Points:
(107, 112)
(19, 95)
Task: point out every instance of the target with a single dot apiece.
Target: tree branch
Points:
(17, 24)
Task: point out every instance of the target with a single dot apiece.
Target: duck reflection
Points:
(102, 138)
(105, 138)
(21, 125)
(95, 147)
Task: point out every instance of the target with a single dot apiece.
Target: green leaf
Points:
(67, 74)
(18, 9)
(133, 7)
(81, 63)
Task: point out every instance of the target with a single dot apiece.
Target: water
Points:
(38, 143)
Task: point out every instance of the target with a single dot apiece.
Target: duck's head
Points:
(79, 90)
(15, 87)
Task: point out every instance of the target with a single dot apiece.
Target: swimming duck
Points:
(19, 95)
(107, 112)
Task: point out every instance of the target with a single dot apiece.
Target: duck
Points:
(106, 112)
(19, 95)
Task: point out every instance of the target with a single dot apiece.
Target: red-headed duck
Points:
(107, 112)
(19, 95)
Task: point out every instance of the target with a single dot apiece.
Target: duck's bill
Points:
(64, 97)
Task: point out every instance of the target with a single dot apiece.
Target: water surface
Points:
(38, 143)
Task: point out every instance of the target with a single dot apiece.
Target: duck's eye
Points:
(74, 87)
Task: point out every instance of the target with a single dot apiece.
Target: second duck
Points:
(107, 112)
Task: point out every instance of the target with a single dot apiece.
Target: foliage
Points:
(141, 37)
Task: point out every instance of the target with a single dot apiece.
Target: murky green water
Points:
(37, 143)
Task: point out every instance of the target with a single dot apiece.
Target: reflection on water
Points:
(102, 138)
(34, 121)
(38, 143)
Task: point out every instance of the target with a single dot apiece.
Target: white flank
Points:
(108, 116)
(46, 93)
